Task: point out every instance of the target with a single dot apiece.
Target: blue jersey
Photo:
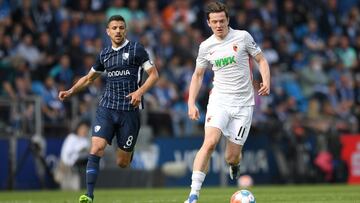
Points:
(124, 67)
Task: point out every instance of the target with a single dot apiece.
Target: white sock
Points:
(197, 178)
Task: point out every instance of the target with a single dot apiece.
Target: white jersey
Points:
(229, 59)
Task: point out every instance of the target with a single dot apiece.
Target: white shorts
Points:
(234, 122)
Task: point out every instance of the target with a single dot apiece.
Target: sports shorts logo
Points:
(97, 128)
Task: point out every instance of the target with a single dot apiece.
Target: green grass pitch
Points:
(263, 194)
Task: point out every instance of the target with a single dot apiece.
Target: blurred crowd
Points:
(313, 48)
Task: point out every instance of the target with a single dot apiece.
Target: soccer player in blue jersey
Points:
(118, 110)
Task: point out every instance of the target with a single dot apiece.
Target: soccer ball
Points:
(242, 196)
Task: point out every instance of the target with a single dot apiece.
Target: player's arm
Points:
(153, 76)
(265, 74)
(79, 85)
(195, 85)
(254, 50)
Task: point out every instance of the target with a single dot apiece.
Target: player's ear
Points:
(208, 22)
(107, 31)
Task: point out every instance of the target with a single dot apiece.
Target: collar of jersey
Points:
(124, 44)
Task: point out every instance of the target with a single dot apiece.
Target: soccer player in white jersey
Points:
(231, 102)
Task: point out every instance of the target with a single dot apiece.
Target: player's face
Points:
(219, 24)
(117, 32)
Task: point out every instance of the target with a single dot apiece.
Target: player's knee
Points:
(98, 147)
(97, 151)
(123, 162)
(209, 147)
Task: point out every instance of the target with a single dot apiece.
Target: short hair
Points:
(216, 7)
(115, 18)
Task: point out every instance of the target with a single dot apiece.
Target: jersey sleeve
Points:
(144, 59)
(201, 60)
(98, 66)
(251, 47)
(147, 65)
(141, 55)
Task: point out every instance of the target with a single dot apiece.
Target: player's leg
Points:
(102, 134)
(98, 145)
(92, 168)
(237, 133)
(233, 158)
(216, 120)
(124, 158)
(127, 136)
(201, 162)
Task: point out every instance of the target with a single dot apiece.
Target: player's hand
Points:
(135, 98)
(264, 89)
(64, 94)
(193, 112)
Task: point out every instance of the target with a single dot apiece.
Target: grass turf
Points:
(263, 194)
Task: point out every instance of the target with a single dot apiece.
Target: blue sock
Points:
(92, 170)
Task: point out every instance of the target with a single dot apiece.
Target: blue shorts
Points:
(124, 125)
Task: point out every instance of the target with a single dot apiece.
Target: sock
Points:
(197, 178)
(92, 170)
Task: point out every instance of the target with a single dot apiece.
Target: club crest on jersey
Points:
(125, 56)
(235, 48)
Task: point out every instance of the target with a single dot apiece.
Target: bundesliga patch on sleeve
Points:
(253, 43)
